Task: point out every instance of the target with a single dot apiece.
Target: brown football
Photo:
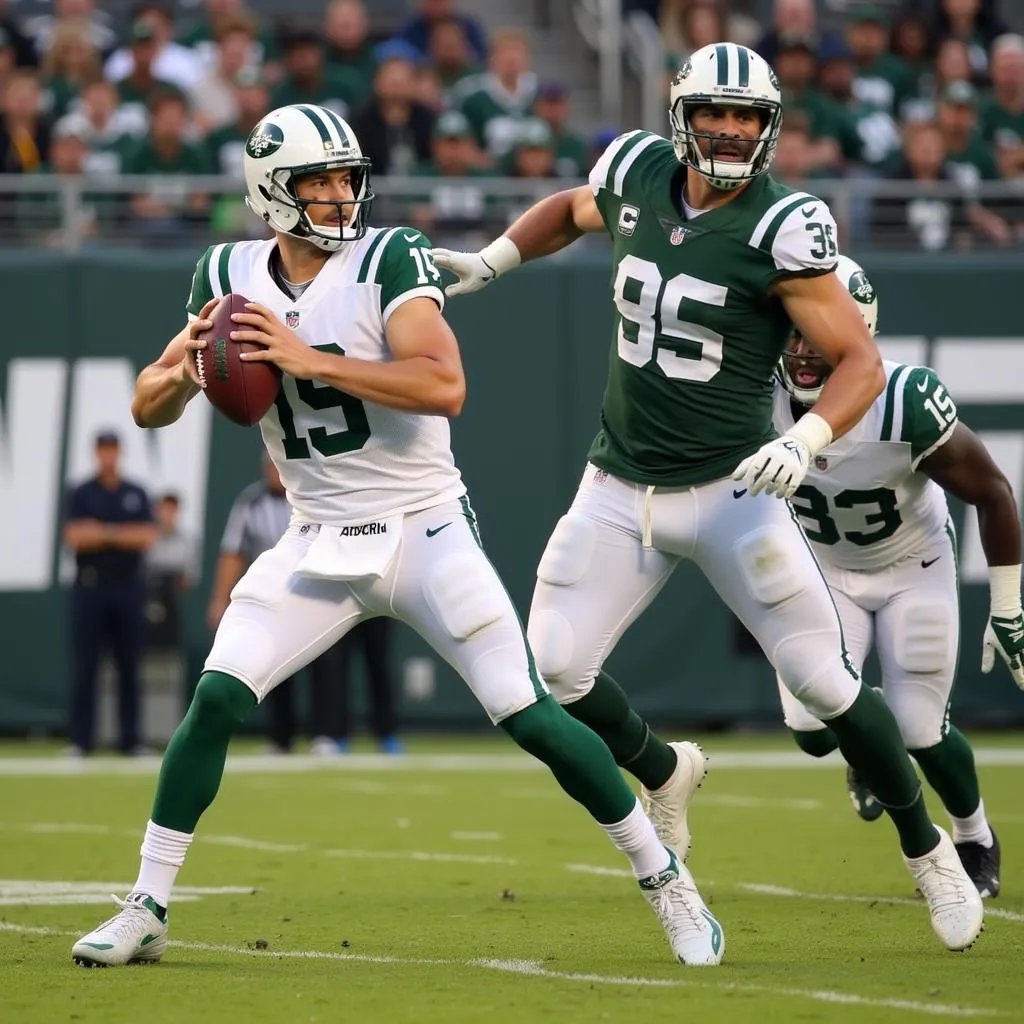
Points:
(241, 391)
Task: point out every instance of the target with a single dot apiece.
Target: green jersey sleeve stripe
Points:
(222, 268)
(892, 419)
(600, 175)
(368, 256)
(375, 260)
(628, 160)
(781, 206)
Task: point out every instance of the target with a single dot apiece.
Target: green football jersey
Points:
(1001, 126)
(697, 332)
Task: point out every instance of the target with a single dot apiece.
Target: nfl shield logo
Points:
(820, 463)
(600, 475)
(291, 318)
(678, 235)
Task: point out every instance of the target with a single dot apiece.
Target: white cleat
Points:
(666, 807)
(696, 938)
(134, 936)
(953, 899)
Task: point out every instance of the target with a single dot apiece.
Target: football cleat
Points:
(865, 803)
(667, 806)
(694, 934)
(953, 899)
(982, 863)
(136, 935)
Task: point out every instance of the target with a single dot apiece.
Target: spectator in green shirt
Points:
(450, 55)
(226, 145)
(974, 23)
(571, 153)
(201, 32)
(496, 101)
(910, 42)
(969, 158)
(794, 155)
(883, 80)
(1002, 118)
(213, 98)
(310, 79)
(141, 84)
(70, 62)
(533, 155)
(347, 29)
(164, 151)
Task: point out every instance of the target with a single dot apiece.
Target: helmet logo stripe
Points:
(722, 55)
(744, 68)
(317, 120)
(339, 125)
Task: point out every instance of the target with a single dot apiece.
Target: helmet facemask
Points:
(724, 175)
(802, 371)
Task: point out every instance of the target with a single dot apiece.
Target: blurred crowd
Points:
(930, 93)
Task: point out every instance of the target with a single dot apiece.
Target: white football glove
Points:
(1005, 634)
(777, 467)
(471, 269)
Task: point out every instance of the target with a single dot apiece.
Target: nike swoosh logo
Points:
(739, 494)
(411, 238)
(434, 533)
(923, 386)
(148, 939)
(98, 945)
(807, 211)
(924, 564)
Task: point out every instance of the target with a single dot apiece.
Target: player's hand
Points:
(1005, 634)
(776, 468)
(193, 344)
(471, 269)
(281, 345)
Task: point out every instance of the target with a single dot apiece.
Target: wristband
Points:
(813, 431)
(1004, 587)
(502, 255)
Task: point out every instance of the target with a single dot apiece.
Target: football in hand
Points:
(241, 391)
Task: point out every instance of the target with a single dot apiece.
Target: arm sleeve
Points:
(929, 413)
(406, 271)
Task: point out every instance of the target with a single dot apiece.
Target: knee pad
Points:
(921, 709)
(923, 636)
(771, 570)
(569, 552)
(465, 595)
(817, 675)
(550, 637)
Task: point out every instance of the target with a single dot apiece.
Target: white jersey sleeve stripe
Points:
(211, 269)
(771, 213)
(629, 160)
(897, 405)
(914, 463)
(428, 291)
(599, 174)
(371, 273)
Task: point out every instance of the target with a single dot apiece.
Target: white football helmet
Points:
(725, 74)
(792, 366)
(296, 140)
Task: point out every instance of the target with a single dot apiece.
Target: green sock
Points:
(194, 762)
(576, 756)
(606, 710)
(870, 740)
(817, 742)
(949, 768)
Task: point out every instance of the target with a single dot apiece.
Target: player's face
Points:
(733, 132)
(806, 368)
(324, 191)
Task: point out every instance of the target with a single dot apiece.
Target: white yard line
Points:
(478, 837)
(296, 763)
(531, 968)
(780, 890)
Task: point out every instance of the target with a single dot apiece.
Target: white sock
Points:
(636, 838)
(163, 853)
(973, 829)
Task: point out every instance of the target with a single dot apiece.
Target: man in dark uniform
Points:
(109, 526)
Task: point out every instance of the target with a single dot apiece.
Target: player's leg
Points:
(918, 640)
(276, 623)
(446, 589)
(757, 558)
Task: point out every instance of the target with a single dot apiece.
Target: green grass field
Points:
(431, 888)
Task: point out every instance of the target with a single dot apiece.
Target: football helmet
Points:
(296, 140)
(725, 74)
(792, 366)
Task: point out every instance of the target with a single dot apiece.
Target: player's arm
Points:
(827, 316)
(164, 388)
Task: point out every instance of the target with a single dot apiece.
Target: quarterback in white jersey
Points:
(351, 315)
(873, 505)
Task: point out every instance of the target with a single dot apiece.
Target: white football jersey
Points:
(863, 505)
(343, 460)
